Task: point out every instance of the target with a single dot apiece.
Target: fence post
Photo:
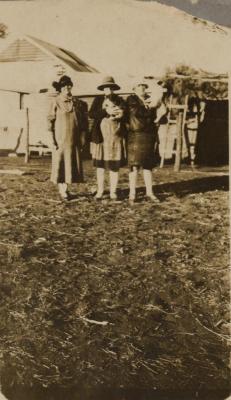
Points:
(27, 154)
(179, 127)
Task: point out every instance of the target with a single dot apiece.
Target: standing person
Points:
(142, 137)
(98, 147)
(68, 124)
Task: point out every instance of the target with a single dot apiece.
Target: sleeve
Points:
(122, 104)
(81, 112)
(103, 124)
(52, 116)
(135, 109)
(161, 112)
(84, 119)
(96, 111)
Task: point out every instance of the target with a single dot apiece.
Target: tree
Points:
(185, 80)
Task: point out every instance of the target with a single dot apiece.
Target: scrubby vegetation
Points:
(184, 80)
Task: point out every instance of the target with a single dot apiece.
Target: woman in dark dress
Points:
(142, 137)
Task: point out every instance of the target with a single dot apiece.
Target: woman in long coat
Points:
(142, 138)
(68, 124)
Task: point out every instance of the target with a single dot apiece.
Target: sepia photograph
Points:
(114, 199)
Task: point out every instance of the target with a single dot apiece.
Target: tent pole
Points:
(27, 155)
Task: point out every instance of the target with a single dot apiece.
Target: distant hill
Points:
(213, 10)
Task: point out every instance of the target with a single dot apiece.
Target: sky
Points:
(218, 11)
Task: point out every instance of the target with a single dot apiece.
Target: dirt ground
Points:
(104, 295)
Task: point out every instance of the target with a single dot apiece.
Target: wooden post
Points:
(21, 100)
(179, 127)
(27, 155)
(167, 130)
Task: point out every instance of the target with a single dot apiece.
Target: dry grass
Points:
(104, 295)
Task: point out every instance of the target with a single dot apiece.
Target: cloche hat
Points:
(63, 81)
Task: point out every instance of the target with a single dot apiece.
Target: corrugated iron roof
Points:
(22, 50)
(30, 48)
(65, 55)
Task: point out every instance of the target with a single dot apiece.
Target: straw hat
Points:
(108, 81)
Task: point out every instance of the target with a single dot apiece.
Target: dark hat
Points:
(63, 81)
(108, 81)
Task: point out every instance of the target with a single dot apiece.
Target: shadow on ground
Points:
(112, 394)
(186, 187)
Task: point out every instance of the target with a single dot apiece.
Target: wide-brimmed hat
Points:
(140, 82)
(63, 81)
(108, 81)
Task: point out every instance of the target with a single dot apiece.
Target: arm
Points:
(161, 111)
(136, 109)
(51, 122)
(84, 129)
(96, 111)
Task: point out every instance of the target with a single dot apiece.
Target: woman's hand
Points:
(114, 112)
(51, 142)
(82, 140)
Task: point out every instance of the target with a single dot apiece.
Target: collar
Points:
(66, 98)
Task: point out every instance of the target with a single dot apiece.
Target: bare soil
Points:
(108, 298)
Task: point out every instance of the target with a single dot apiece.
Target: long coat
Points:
(142, 133)
(67, 121)
(97, 113)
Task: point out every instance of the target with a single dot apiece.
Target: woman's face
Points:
(66, 90)
(140, 90)
(107, 91)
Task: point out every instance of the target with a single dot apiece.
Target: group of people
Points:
(123, 133)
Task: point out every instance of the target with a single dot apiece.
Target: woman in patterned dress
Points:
(107, 135)
(68, 124)
(112, 151)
